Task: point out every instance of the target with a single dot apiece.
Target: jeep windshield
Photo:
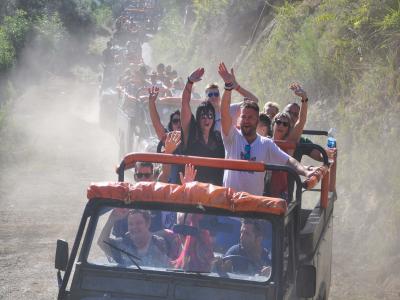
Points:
(213, 245)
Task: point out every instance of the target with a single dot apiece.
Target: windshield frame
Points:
(96, 205)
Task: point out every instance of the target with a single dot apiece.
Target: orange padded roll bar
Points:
(241, 165)
(325, 189)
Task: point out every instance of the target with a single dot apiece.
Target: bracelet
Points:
(189, 81)
(229, 84)
(228, 88)
(305, 100)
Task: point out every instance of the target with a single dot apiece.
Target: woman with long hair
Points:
(198, 133)
(283, 129)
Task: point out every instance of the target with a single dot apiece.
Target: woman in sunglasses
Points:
(282, 124)
(282, 130)
(198, 133)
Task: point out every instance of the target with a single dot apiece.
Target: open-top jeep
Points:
(198, 235)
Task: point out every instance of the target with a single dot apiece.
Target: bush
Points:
(16, 28)
(7, 51)
(103, 16)
(50, 32)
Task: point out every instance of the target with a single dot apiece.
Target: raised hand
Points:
(332, 154)
(196, 75)
(311, 171)
(225, 75)
(190, 174)
(119, 213)
(172, 141)
(153, 93)
(298, 90)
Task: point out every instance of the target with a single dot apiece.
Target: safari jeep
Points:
(195, 255)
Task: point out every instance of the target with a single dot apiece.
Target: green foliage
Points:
(13, 32)
(391, 20)
(50, 32)
(102, 16)
(7, 51)
(171, 39)
(209, 7)
(16, 28)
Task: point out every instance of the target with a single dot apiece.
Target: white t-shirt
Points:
(234, 111)
(262, 149)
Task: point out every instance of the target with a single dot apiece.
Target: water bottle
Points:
(331, 143)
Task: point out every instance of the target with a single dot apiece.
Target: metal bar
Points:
(315, 132)
(308, 146)
(74, 251)
(231, 164)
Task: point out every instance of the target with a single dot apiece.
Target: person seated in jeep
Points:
(197, 250)
(138, 241)
(249, 256)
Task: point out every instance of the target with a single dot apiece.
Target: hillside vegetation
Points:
(38, 37)
(347, 55)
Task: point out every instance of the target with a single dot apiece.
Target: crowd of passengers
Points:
(122, 58)
(217, 129)
(124, 69)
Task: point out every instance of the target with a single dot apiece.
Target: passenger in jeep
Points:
(249, 256)
(138, 240)
(246, 144)
(197, 254)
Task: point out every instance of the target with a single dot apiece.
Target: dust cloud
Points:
(51, 149)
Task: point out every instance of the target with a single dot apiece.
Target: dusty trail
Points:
(60, 150)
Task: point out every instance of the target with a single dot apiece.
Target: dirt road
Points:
(51, 150)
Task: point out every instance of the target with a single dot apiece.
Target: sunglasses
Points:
(247, 149)
(143, 175)
(176, 121)
(209, 116)
(215, 94)
(280, 122)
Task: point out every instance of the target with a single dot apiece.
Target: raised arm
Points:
(116, 214)
(155, 117)
(245, 93)
(241, 90)
(172, 141)
(186, 112)
(297, 130)
(226, 118)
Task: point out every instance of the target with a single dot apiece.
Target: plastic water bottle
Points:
(331, 143)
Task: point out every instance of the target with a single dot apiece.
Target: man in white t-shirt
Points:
(245, 143)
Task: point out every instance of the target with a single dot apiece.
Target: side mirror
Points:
(61, 259)
(306, 279)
